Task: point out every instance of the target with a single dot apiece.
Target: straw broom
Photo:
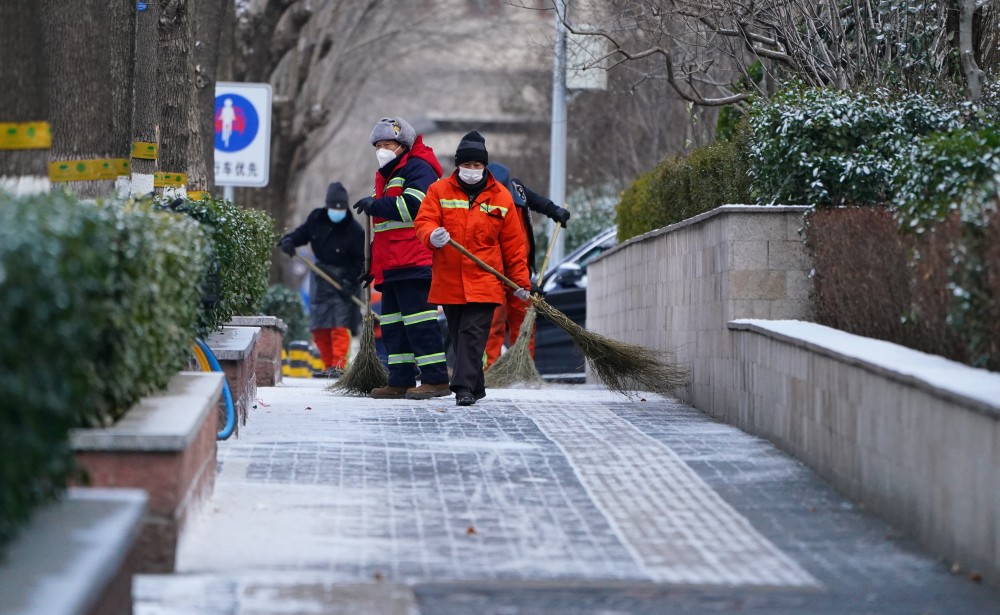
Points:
(623, 368)
(516, 365)
(365, 372)
(337, 285)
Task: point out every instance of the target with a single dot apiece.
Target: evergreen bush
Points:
(97, 311)
(679, 188)
(953, 180)
(241, 243)
(286, 304)
(822, 147)
(955, 172)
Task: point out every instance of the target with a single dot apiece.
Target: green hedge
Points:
(950, 173)
(242, 240)
(820, 146)
(952, 180)
(97, 310)
(679, 188)
(286, 304)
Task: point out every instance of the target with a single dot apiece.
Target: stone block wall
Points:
(677, 287)
(921, 447)
(914, 437)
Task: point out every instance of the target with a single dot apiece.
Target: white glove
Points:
(522, 294)
(439, 237)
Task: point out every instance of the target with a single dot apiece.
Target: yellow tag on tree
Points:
(87, 170)
(145, 150)
(162, 179)
(25, 135)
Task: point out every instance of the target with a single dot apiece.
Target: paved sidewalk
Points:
(557, 500)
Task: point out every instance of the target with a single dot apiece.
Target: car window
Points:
(584, 257)
(594, 252)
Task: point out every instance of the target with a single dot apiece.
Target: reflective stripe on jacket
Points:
(488, 227)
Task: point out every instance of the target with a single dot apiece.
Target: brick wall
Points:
(166, 446)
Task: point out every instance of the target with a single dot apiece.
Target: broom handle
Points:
(548, 253)
(480, 262)
(368, 265)
(330, 280)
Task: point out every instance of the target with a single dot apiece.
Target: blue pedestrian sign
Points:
(242, 134)
(236, 122)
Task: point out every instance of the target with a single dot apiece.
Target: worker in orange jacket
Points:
(475, 210)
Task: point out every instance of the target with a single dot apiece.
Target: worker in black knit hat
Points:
(479, 213)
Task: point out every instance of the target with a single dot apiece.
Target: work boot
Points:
(389, 393)
(464, 397)
(427, 391)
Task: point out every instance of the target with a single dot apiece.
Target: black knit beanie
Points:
(472, 148)
(336, 196)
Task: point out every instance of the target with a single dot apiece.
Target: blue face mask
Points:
(336, 215)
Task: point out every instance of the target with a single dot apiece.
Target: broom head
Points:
(623, 368)
(365, 372)
(516, 365)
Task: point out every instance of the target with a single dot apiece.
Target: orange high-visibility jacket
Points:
(489, 227)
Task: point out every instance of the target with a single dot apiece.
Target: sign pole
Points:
(557, 155)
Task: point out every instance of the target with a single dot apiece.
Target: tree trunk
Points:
(174, 93)
(967, 52)
(122, 40)
(146, 113)
(204, 61)
(23, 97)
(77, 48)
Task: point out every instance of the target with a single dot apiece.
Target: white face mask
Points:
(385, 156)
(470, 176)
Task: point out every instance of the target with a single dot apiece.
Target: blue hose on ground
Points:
(227, 430)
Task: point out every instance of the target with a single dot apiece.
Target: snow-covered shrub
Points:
(952, 173)
(821, 146)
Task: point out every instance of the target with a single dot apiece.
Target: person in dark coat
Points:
(338, 242)
(510, 314)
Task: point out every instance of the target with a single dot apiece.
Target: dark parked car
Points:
(565, 288)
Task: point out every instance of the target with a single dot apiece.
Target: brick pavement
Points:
(561, 500)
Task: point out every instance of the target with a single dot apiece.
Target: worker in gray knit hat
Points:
(401, 264)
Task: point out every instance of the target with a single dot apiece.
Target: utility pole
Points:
(557, 155)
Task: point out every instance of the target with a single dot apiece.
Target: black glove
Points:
(537, 290)
(365, 279)
(287, 247)
(364, 206)
(561, 216)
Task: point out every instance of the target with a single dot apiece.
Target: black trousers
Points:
(411, 335)
(469, 328)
